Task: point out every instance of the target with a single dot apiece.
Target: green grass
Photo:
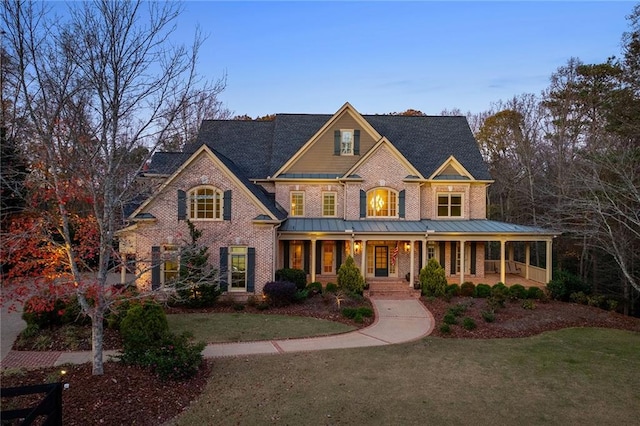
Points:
(243, 327)
(571, 376)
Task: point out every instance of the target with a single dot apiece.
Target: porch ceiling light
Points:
(407, 247)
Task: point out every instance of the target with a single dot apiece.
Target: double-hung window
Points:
(346, 142)
(450, 205)
(205, 203)
(297, 203)
(328, 204)
(170, 264)
(238, 268)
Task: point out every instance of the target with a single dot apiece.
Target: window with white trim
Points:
(382, 202)
(346, 142)
(449, 205)
(329, 204)
(170, 264)
(431, 251)
(205, 203)
(328, 257)
(237, 268)
(297, 203)
(296, 251)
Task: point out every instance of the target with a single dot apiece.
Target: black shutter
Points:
(401, 196)
(473, 258)
(441, 250)
(226, 205)
(318, 257)
(420, 255)
(251, 269)
(356, 142)
(182, 205)
(336, 142)
(307, 256)
(453, 258)
(285, 263)
(224, 268)
(155, 267)
(363, 203)
(339, 249)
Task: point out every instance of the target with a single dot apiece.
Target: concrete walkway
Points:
(397, 321)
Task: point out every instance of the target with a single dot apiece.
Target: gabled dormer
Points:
(451, 170)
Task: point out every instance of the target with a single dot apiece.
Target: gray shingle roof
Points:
(260, 148)
(165, 163)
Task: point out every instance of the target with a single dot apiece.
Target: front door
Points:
(382, 261)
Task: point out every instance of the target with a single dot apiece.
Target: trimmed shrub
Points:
(564, 284)
(483, 291)
(301, 295)
(353, 312)
(296, 276)
(517, 291)
(596, 300)
(468, 323)
(280, 293)
(196, 296)
(457, 310)
(488, 316)
(535, 293)
(349, 277)
(467, 289)
(433, 279)
(453, 290)
(331, 288)
(143, 326)
(445, 329)
(450, 318)
(314, 288)
(176, 358)
(528, 304)
(578, 297)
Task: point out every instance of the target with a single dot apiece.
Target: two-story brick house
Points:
(306, 190)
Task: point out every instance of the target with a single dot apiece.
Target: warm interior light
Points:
(407, 247)
(356, 247)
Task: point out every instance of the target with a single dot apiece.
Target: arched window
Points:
(205, 202)
(382, 202)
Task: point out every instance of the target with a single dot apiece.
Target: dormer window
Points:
(382, 202)
(346, 142)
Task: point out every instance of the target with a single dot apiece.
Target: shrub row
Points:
(483, 291)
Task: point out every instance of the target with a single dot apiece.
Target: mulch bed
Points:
(131, 395)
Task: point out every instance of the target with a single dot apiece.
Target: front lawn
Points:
(243, 327)
(570, 376)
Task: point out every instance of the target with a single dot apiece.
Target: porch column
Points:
(503, 273)
(425, 245)
(462, 242)
(527, 255)
(412, 263)
(363, 259)
(312, 267)
(123, 270)
(549, 265)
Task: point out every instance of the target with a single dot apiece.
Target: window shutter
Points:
(441, 250)
(306, 254)
(224, 266)
(339, 250)
(155, 267)
(401, 197)
(285, 264)
(356, 142)
(226, 205)
(363, 203)
(251, 269)
(318, 257)
(420, 248)
(473, 258)
(182, 205)
(336, 142)
(453, 257)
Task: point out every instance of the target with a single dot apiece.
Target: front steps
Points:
(390, 288)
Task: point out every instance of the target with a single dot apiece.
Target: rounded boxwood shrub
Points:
(450, 318)
(331, 288)
(296, 276)
(314, 288)
(445, 329)
(488, 316)
(143, 326)
(535, 293)
(467, 289)
(453, 290)
(483, 291)
(564, 283)
(517, 291)
(280, 293)
(468, 323)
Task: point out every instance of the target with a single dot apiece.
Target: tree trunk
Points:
(97, 328)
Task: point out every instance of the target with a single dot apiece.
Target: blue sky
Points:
(311, 57)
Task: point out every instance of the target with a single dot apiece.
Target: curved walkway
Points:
(397, 321)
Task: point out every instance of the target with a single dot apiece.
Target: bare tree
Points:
(95, 87)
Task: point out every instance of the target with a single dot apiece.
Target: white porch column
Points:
(123, 270)
(549, 260)
(412, 262)
(527, 261)
(363, 259)
(425, 246)
(462, 244)
(503, 266)
(312, 267)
